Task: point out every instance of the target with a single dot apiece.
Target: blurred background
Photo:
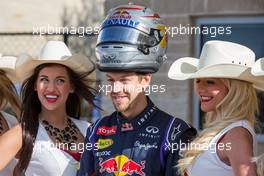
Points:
(240, 21)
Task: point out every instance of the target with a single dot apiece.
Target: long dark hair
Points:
(8, 94)
(31, 107)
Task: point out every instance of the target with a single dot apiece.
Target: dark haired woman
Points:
(50, 138)
(8, 95)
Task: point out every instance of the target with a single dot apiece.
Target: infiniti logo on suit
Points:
(152, 129)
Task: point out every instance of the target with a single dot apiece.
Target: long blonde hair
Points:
(260, 164)
(240, 103)
(8, 94)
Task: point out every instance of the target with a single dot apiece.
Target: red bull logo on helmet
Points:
(121, 166)
(121, 14)
(120, 17)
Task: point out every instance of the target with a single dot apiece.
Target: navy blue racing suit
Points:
(147, 145)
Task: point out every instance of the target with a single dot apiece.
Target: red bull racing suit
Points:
(148, 145)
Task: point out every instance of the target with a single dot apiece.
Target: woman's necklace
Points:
(66, 136)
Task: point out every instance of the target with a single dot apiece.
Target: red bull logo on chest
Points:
(121, 166)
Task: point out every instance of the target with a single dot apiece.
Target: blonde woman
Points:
(8, 95)
(258, 70)
(226, 90)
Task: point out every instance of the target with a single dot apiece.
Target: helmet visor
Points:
(117, 34)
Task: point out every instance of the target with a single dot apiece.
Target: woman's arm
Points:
(10, 144)
(241, 152)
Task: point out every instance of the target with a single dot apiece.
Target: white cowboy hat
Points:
(258, 68)
(8, 65)
(52, 52)
(219, 59)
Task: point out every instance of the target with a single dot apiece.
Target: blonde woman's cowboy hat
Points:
(219, 59)
(8, 65)
(258, 68)
(52, 52)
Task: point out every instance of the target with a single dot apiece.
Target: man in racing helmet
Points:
(138, 138)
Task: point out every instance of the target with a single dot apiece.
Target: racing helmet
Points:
(131, 38)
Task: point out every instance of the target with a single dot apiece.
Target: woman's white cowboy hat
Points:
(52, 52)
(8, 65)
(258, 68)
(219, 59)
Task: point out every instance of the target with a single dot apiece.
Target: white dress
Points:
(11, 121)
(208, 162)
(47, 160)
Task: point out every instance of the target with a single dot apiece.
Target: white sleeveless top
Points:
(208, 162)
(11, 121)
(47, 160)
